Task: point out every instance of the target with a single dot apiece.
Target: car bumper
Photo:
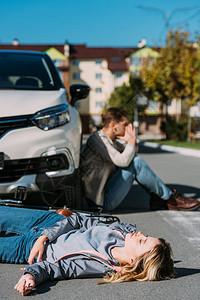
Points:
(34, 142)
(42, 190)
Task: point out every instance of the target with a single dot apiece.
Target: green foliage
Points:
(125, 96)
(192, 145)
(175, 130)
(175, 73)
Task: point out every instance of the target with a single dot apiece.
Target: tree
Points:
(126, 95)
(175, 73)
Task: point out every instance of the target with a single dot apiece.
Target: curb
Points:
(183, 151)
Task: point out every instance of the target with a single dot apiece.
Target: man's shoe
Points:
(157, 203)
(180, 202)
(175, 202)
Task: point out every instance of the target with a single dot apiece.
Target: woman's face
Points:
(137, 244)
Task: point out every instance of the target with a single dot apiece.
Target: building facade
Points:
(102, 68)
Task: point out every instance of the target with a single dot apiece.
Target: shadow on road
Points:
(43, 288)
(137, 200)
(148, 150)
(182, 272)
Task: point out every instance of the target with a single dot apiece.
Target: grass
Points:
(191, 145)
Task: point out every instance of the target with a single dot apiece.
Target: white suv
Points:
(40, 132)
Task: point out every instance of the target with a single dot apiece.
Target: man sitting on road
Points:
(110, 167)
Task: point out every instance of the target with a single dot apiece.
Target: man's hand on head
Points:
(130, 135)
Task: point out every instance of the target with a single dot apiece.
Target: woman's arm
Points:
(36, 274)
(67, 224)
(37, 249)
(57, 229)
(44, 270)
(77, 266)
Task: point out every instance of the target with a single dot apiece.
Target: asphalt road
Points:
(181, 229)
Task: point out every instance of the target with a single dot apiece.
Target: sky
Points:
(97, 23)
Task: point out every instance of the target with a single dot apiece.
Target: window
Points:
(28, 71)
(98, 75)
(99, 104)
(118, 74)
(75, 62)
(116, 58)
(76, 76)
(98, 90)
(136, 61)
(58, 62)
(98, 62)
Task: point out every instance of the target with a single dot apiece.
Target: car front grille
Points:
(11, 123)
(15, 169)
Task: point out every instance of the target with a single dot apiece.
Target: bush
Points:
(175, 130)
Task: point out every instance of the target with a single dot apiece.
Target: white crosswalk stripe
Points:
(187, 224)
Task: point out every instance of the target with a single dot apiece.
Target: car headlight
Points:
(51, 117)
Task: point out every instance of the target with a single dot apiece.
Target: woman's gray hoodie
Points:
(79, 246)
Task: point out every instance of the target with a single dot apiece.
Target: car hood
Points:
(21, 102)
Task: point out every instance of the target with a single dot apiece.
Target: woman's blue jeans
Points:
(121, 182)
(19, 229)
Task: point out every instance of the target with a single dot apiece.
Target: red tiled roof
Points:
(114, 55)
(32, 47)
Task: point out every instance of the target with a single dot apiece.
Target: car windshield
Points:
(27, 72)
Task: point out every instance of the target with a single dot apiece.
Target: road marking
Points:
(187, 223)
(179, 150)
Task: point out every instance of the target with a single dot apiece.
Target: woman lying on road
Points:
(78, 246)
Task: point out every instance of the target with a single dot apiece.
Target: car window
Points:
(27, 72)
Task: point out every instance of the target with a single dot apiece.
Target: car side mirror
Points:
(78, 92)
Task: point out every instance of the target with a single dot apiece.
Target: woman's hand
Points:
(25, 284)
(130, 135)
(37, 249)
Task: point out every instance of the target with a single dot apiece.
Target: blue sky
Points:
(95, 22)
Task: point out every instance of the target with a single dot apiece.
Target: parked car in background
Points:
(40, 132)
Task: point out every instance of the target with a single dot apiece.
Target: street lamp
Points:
(168, 15)
(141, 100)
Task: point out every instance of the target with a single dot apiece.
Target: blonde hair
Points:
(156, 264)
